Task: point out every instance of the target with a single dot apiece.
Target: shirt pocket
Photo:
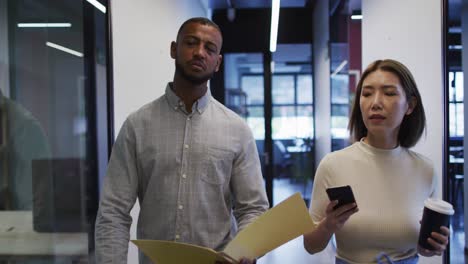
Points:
(217, 167)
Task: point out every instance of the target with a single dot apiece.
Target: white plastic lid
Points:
(439, 206)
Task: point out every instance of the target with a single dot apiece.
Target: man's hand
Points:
(438, 241)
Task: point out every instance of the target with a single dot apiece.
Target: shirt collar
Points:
(177, 103)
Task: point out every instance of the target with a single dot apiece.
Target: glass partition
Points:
(457, 26)
(53, 128)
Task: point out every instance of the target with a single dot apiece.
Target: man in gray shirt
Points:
(191, 162)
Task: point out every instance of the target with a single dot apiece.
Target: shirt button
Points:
(184, 176)
(186, 146)
(175, 108)
(181, 207)
(188, 118)
(177, 236)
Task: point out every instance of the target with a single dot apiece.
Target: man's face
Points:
(196, 52)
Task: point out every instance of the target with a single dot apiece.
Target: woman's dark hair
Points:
(412, 125)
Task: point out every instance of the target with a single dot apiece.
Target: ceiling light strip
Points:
(64, 49)
(275, 8)
(339, 68)
(98, 5)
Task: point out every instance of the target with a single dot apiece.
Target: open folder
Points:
(282, 223)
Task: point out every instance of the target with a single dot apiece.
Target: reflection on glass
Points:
(292, 121)
(340, 89)
(304, 89)
(283, 91)
(456, 104)
(456, 120)
(256, 122)
(22, 140)
(243, 79)
(457, 31)
(48, 177)
(339, 121)
(244, 90)
(456, 86)
(340, 108)
(252, 85)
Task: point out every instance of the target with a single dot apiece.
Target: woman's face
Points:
(383, 104)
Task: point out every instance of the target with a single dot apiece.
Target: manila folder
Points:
(282, 223)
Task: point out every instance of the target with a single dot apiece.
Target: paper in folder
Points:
(282, 223)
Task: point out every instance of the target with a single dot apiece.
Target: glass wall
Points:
(292, 107)
(292, 121)
(456, 104)
(345, 66)
(53, 128)
(456, 29)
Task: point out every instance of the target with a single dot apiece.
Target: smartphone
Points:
(344, 195)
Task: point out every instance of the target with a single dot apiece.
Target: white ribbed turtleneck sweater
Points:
(390, 187)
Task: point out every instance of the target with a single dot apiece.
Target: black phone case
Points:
(343, 194)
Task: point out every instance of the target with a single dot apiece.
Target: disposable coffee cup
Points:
(436, 214)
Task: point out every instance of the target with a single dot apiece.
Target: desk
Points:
(296, 149)
(19, 240)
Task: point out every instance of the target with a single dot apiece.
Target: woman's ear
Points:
(411, 105)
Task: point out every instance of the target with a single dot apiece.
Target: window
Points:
(339, 106)
(456, 104)
(292, 105)
(53, 128)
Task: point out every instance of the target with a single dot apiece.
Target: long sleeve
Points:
(249, 194)
(117, 199)
(319, 196)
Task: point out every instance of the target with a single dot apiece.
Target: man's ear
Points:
(411, 105)
(173, 49)
(218, 62)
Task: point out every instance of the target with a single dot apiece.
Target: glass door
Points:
(455, 184)
(244, 94)
(280, 117)
(292, 121)
(53, 128)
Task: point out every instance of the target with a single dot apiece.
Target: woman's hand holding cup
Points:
(438, 241)
(434, 233)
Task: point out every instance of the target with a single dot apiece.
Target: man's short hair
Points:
(199, 20)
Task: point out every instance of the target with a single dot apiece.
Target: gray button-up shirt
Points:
(196, 175)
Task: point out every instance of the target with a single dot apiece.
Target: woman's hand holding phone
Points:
(336, 218)
(342, 205)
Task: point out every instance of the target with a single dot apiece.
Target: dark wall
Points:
(250, 30)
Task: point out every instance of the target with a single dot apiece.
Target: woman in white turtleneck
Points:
(389, 181)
